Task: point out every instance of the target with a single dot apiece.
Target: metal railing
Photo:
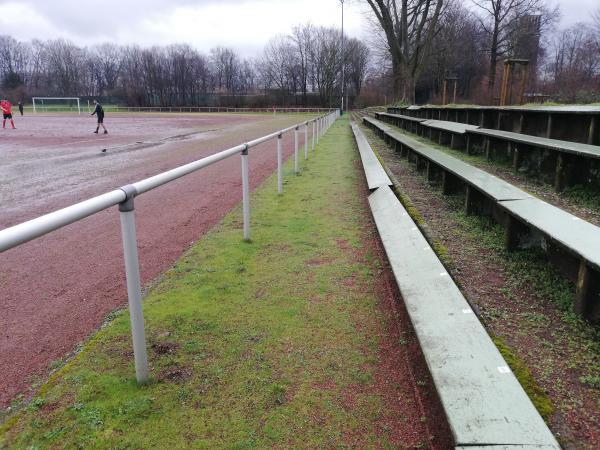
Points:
(178, 109)
(124, 198)
(215, 109)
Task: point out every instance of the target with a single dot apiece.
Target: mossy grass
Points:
(536, 394)
(251, 345)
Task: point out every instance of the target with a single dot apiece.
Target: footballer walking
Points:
(99, 112)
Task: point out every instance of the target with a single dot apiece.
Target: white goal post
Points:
(41, 101)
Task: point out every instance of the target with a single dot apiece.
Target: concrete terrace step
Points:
(484, 403)
(490, 185)
(452, 127)
(378, 124)
(376, 176)
(576, 236)
(592, 151)
(401, 117)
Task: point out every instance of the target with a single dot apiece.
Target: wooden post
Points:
(469, 201)
(468, 144)
(524, 76)
(505, 83)
(452, 141)
(559, 175)
(430, 172)
(447, 187)
(444, 95)
(487, 147)
(454, 96)
(517, 156)
(582, 295)
(592, 131)
(521, 121)
(549, 127)
(511, 233)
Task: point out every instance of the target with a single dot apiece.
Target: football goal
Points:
(56, 104)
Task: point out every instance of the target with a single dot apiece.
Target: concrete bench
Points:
(377, 125)
(573, 244)
(376, 176)
(570, 158)
(480, 180)
(407, 122)
(491, 186)
(448, 133)
(577, 123)
(483, 401)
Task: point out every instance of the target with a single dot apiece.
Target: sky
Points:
(245, 25)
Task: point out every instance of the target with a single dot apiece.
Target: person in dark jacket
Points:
(21, 107)
(99, 112)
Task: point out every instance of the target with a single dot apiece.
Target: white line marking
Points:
(467, 311)
(443, 274)
(504, 369)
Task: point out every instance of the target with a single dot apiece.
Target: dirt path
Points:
(58, 289)
(512, 294)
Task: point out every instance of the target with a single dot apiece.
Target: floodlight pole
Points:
(343, 61)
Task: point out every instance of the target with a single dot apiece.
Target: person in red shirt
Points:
(6, 107)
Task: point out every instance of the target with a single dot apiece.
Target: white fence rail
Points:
(124, 198)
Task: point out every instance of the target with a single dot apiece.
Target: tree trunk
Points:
(493, 64)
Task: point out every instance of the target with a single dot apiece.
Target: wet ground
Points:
(58, 289)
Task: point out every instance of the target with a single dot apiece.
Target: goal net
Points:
(56, 104)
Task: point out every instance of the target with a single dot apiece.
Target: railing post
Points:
(306, 140)
(318, 129)
(279, 164)
(313, 135)
(296, 170)
(134, 286)
(246, 193)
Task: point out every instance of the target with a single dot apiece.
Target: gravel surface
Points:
(58, 289)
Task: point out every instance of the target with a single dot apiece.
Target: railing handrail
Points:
(32, 229)
(124, 197)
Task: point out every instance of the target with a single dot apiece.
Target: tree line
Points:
(302, 68)
(414, 45)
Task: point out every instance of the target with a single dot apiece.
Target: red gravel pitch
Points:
(58, 289)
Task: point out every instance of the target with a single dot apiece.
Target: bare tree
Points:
(575, 66)
(498, 20)
(357, 60)
(409, 27)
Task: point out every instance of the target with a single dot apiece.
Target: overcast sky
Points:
(245, 25)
